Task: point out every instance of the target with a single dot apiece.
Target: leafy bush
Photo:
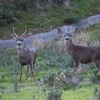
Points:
(96, 94)
(7, 12)
(26, 5)
(54, 94)
(51, 56)
(95, 77)
(6, 56)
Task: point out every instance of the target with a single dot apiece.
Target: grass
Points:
(84, 93)
(29, 90)
(54, 16)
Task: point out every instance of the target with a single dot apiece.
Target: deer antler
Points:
(75, 30)
(14, 32)
(24, 34)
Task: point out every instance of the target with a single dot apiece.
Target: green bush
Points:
(54, 94)
(26, 5)
(96, 94)
(95, 77)
(6, 13)
(6, 55)
(51, 56)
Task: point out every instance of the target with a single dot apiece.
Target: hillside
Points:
(43, 16)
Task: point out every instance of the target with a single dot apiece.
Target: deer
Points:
(26, 53)
(80, 54)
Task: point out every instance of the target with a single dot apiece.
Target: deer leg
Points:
(27, 72)
(21, 72)
(75, 67)
(97, 64)
(32, 73)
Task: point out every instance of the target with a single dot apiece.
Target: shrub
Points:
(96, 94)
(95, 77)
(51, 56)
(6, 13)
(5, 57)
(54, 94)
(26, 5)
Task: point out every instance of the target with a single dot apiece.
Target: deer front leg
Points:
(21, 66)
(27, 72)
(33, 73)
(76, 67)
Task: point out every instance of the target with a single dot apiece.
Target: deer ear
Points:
(59, 31)
(27, 35)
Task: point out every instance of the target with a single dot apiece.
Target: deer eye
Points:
(21, 40)
(65, 34)
(69, 35)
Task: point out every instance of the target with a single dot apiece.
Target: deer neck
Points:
(21, 52)
(69, 46)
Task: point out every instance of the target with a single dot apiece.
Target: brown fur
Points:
(81, 54)
(84, 55)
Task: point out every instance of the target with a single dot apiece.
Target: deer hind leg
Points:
(27, 72)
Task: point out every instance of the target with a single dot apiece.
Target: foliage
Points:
(95, 36)
(9, 58)
(26, 5)
(42, 19)
(29, 88)
(6, 57)
(51, 56)
(54, 94)
(8, 12)
(95, 77)
(14, 70)
(96, 94)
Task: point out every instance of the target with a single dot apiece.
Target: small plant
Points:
(54, 94)
(95, 77)
(96, 94)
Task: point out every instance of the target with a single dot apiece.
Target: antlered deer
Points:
(81, 54)
(27, 54)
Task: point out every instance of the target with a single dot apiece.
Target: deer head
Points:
(67, 34)
(20, 39)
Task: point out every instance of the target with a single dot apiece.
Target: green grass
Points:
(39, 21)
(25, 93)
(84, 93)
(29, 90)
